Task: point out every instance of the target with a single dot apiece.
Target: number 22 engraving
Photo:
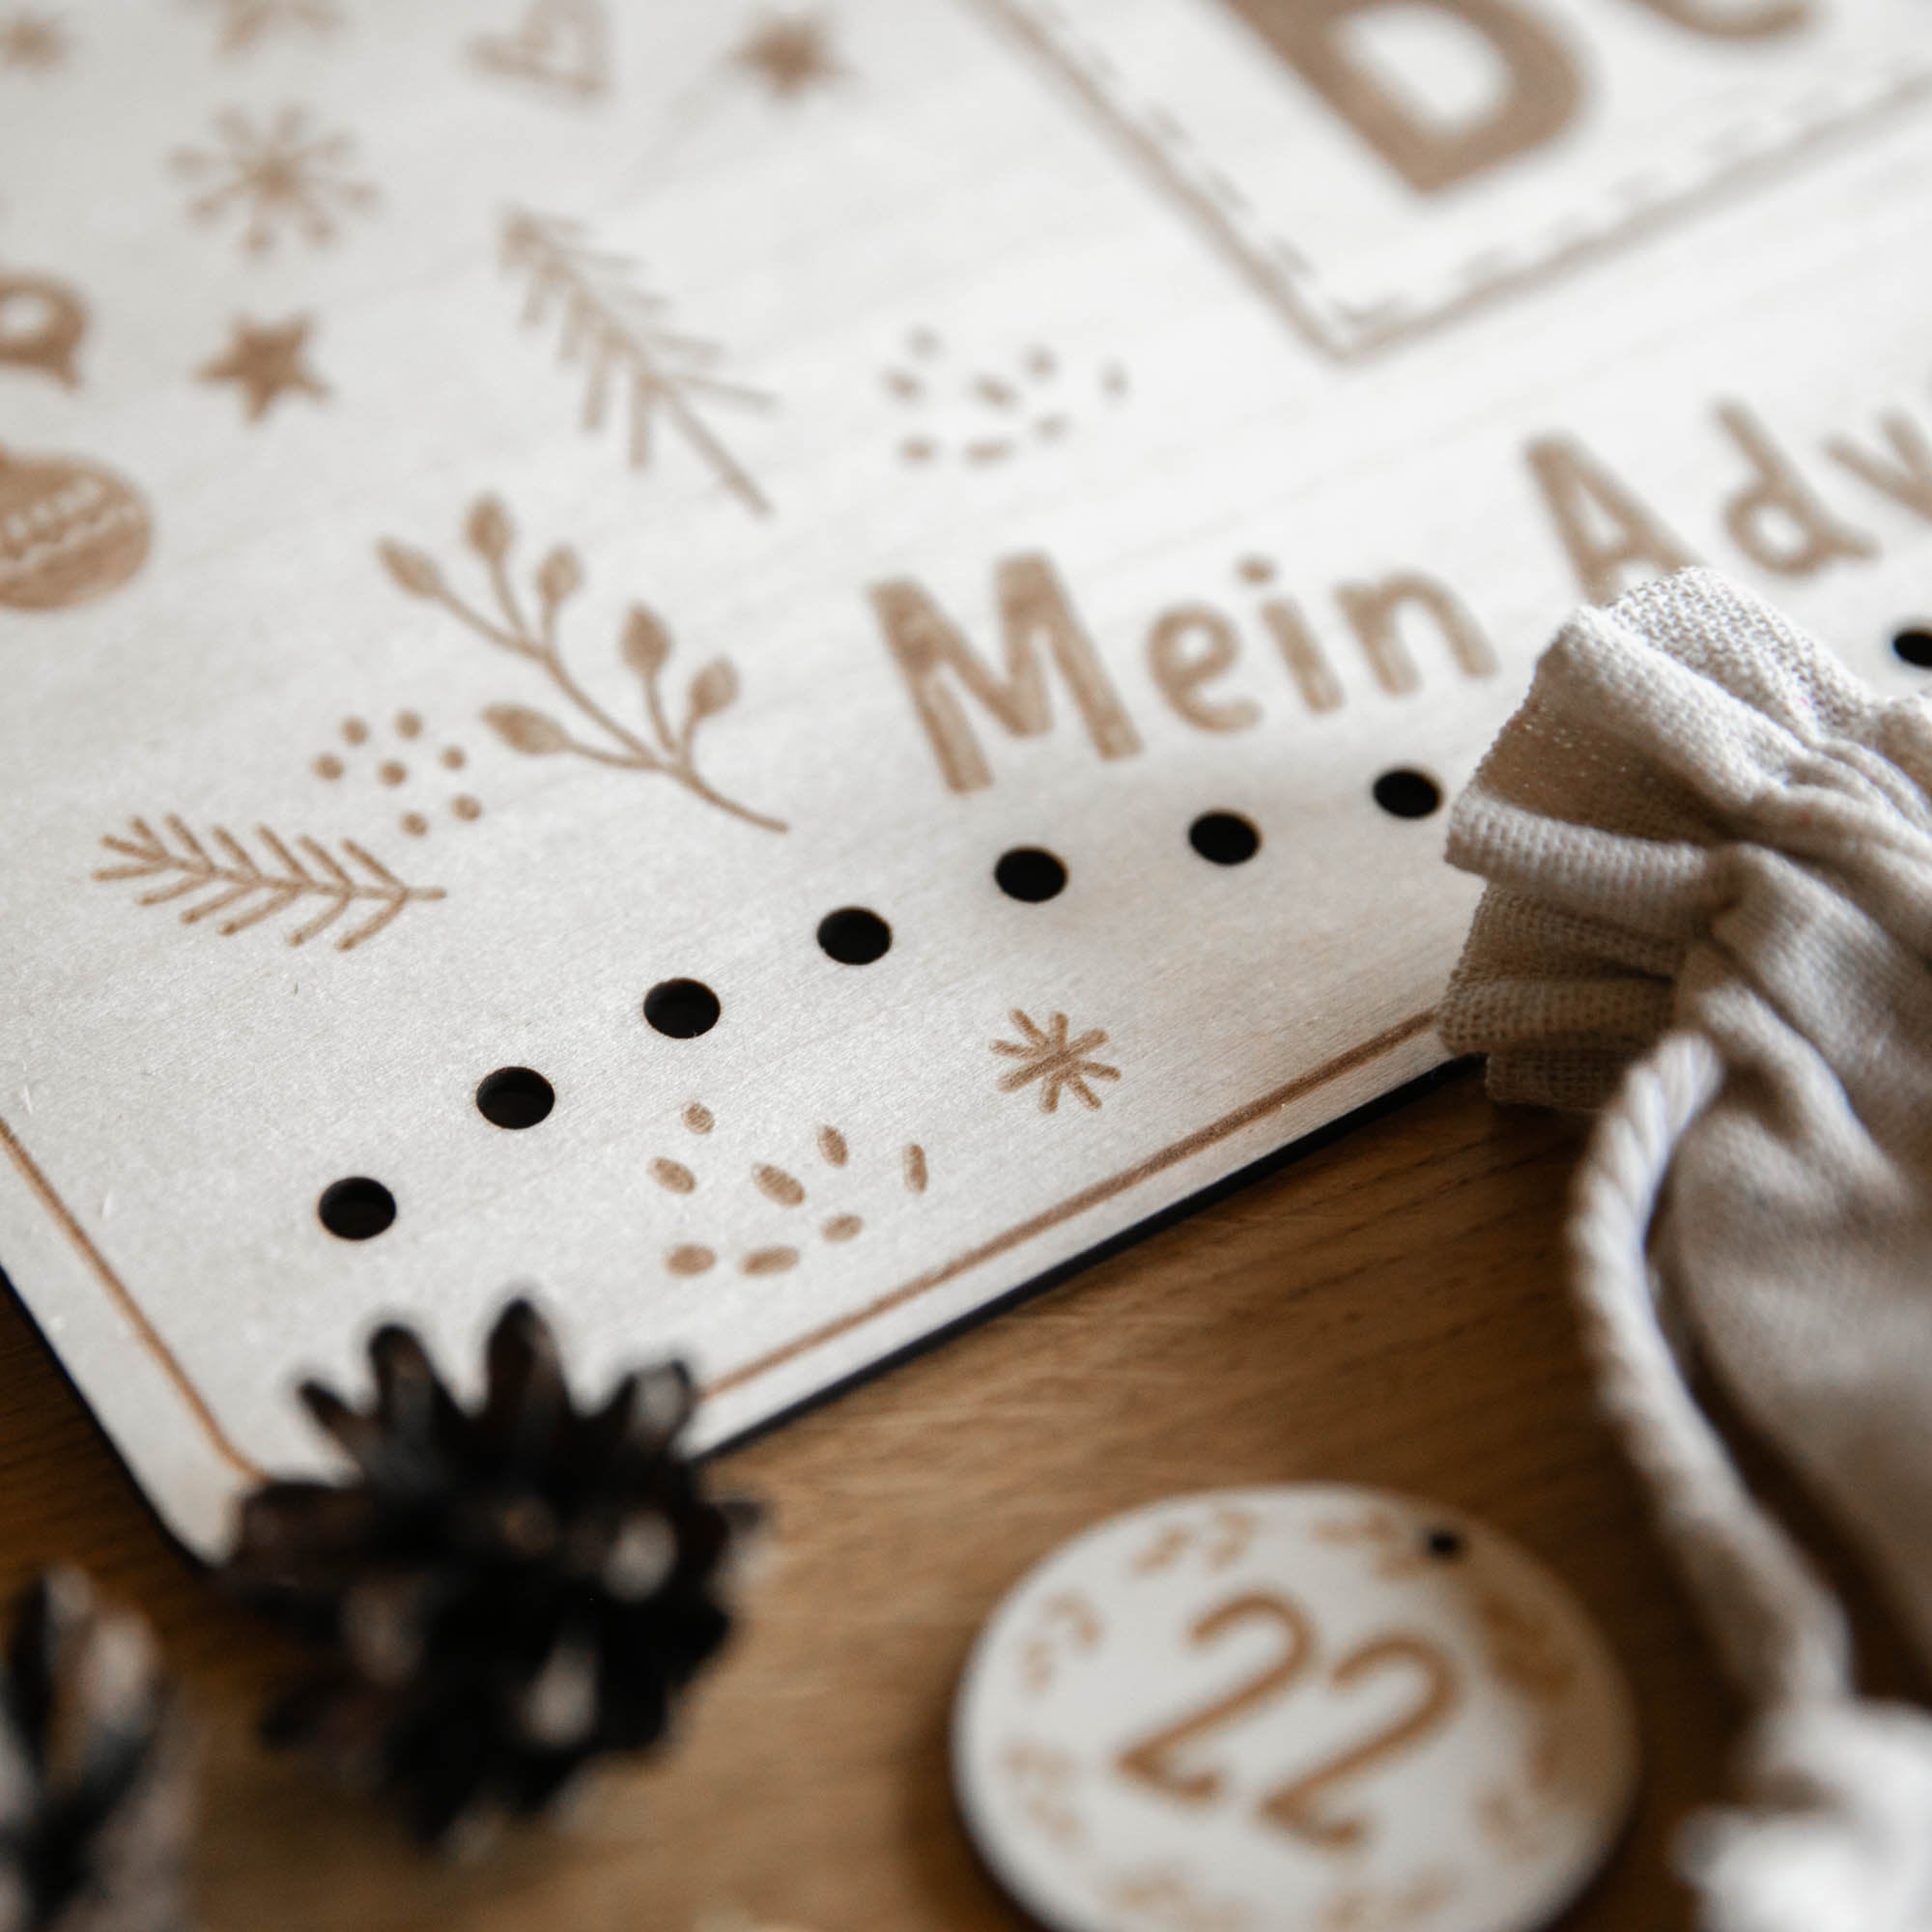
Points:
(1295, 1806)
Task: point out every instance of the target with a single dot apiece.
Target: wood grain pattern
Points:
(1385, 1309)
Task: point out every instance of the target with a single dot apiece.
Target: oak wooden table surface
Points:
(1384, 1309)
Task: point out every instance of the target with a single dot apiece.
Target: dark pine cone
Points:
(94, 1771)
(509, 1591)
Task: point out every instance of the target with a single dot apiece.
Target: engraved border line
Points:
(1282, 274)
(1087, 70)
(130, 1310)
(1299, 1089)
(1070, 1209)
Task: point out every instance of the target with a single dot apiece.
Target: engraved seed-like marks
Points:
(777, 1187)
(1170, 1898)
(280, 178)
(789, 54)
(1067, 1625)
(991, 415)
(1394, 1551)
(220, 879)
(529, 632)
(1059, 1060)
(1220, 1542)
(1400, 1908)
(246, 23)
(1044, 1779)
(31, 41)
(1520, 1815)
(399, 763)
(560, 47)
(616, 333)
(769, 1260)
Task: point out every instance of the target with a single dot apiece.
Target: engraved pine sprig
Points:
(530, 629)
(613, 330)
(235, 882)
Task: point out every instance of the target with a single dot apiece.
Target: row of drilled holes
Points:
(856, 936)
(516, 1097)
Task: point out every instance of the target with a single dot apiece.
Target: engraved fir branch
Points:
(614, 330)
(236, 883)
(529, 632)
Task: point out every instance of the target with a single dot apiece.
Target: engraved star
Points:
(1059, 1063)
(791, 51)
(29, 40)
(267, 363)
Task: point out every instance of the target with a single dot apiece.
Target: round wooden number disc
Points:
(1321, 1708)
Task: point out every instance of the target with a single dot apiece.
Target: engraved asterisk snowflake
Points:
(280, 177)
(30, 39)
(1060, 1064)
(246, 22)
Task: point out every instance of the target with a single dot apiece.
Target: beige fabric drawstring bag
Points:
(1709, 854)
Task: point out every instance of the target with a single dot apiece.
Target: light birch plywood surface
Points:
(1384, 1309)
(577, 553)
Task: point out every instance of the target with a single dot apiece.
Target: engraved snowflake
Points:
(30, 39)
(1060, 1064)
(246, 22)
(281, 177)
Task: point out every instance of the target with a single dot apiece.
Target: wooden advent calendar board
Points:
(512, 515)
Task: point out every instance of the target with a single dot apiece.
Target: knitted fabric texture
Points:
(1709, 851)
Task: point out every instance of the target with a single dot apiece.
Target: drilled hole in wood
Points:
(681, 1009)
(1030, 873)
(854, 936)
(1407, 794)
(1914, 646)
(356, 1209)
(515, 1097)
(1224, 837)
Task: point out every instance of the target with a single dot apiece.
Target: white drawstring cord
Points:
(1835, 1833)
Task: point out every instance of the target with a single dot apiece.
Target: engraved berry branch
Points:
(532, 635)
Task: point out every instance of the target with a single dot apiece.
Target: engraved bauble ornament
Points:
(42, 323)
(70, 531)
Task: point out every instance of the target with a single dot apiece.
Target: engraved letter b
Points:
(1540, 92)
